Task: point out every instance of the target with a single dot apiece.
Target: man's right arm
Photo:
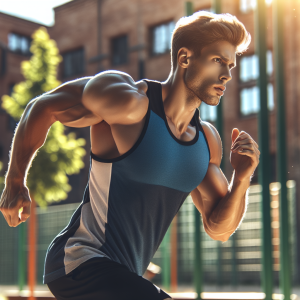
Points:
(29, 136)
(79, 103)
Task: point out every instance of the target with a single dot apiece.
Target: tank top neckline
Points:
(161, 104)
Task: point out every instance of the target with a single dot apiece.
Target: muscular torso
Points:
(110, 141)
(108, 138)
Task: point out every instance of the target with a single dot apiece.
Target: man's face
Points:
(208, 70)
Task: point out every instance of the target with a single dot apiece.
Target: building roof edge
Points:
(20, 18)
(65, 4)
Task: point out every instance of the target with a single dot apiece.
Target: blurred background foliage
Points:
(62, 154)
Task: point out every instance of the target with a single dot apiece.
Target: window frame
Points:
(151, 38)
(112, 39)
(251, 9)
(19, 50)
(77, 49)
(251, 83)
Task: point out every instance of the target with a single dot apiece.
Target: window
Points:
(249, 66)
(249, 94)
(208, 112)
(250, 102)
(249, 5)
(73, 63)
(119, 50)
(161, 38)
(19, 43)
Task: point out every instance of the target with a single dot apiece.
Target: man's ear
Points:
(183, 56)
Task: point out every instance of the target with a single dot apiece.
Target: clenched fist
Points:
(14, 198)
(244, 154)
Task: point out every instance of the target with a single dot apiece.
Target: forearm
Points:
(29, 136)
(230, 209)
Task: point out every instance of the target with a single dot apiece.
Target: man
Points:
(149, 150)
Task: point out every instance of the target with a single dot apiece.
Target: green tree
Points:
(61, 155)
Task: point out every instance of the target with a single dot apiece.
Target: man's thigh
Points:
(104, 279)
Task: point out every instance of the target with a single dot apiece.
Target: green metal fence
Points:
(49, 223)
(8, 253)
(236, 261)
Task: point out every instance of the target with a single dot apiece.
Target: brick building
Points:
(133, 36)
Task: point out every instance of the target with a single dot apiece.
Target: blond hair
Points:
(204, 28)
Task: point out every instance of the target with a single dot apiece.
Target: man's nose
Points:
(226, 76)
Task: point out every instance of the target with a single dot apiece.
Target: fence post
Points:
(174, 283)
(285, 273)
(21, 255)
(233, 261)
(260, 17)
(198, 270)
(32, 250)
(166, 260)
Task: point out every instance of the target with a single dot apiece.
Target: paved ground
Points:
(228, 292)
(183, 292)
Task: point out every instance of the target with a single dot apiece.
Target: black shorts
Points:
(102, 278)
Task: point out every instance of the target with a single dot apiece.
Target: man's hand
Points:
(244, 154)
(14, 198)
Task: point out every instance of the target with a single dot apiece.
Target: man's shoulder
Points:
(111, 77)
(214, 142)
(116, 97)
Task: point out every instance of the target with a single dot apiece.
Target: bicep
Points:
(70, 111)
(64, 104)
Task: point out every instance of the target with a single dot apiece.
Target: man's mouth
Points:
(219, 91)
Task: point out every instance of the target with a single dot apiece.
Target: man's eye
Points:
(218, 59)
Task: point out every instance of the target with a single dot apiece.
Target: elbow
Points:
(217, 233)
(223, 237)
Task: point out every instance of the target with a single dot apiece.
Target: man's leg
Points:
(101, 278)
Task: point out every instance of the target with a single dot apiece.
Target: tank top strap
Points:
(154, 94)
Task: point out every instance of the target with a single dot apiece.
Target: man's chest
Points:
(111, 141)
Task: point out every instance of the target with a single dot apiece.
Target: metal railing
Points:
(237, 261)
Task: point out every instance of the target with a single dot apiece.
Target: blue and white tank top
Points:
(130, 201)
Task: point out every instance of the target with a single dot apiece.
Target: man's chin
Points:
(212, 103)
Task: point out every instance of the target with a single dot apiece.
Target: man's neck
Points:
(176, 105)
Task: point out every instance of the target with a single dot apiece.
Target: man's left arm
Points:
(223, 205)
